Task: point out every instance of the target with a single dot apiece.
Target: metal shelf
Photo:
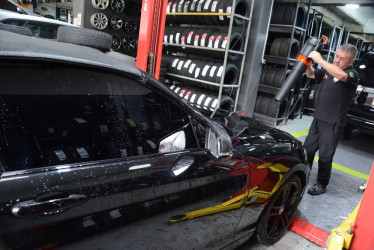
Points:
(226, 51)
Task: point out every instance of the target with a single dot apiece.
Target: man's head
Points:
(345, 56)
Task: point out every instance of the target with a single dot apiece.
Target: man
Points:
(338, 85)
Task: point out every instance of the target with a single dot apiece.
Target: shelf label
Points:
(214, 6)
(193, 5)
(175, 62)
(221, 17)
(199, 5)
(82, 152)
(218, 39)
(211, 39)
(187, 64)
(190, 37)
(197, 72)
(205, 70)
(202, 41)
(212, 71)
(180, 5)
(228, 10)
(180, 64)
(190, 70)
(224, 42)
(220, 70)
(206, 6)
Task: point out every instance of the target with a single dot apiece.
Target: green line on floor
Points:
(299, 133)
(347, 170)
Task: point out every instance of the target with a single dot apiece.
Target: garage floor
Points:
(351, 168)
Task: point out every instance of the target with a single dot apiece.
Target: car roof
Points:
(6, 14)
(14, 45)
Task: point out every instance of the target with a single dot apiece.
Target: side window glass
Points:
(66, 115)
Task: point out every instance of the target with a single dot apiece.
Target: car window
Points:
(42, 30)
(55, 114)
(14, 22)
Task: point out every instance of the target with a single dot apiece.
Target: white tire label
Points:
(205, 70)
(180, 64)
(180, 5)
(187, 64)
(175, 62)
(196, 42)
(220, 70)
(197, 72)
(211, 39)
(214, 6)
(177, 38)
(206, 6)
(221, 17)
(224, 43)
(202, 41)
(190, 70)
(212, 70)
(218, 39)
(190, 37)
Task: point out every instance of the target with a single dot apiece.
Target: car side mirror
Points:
(217, 141)
(173, 142)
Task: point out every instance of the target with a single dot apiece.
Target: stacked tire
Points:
(267, 106)
(201, 39)
(185, 70)
(206, 6)
(205, 101)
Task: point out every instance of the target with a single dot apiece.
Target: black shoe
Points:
(317, 189)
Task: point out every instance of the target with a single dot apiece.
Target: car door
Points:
(84, 151)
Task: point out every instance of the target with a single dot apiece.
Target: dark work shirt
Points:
(334, 96)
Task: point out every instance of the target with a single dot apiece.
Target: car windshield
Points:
(365, 69)
(57, 114)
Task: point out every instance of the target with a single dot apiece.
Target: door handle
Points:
(47, 207)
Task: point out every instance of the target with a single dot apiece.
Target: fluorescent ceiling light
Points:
(352, 6)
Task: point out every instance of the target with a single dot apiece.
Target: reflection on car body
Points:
(95, 153)
(361, 112)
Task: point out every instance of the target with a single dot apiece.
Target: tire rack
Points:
(227, 50)
(282, 62)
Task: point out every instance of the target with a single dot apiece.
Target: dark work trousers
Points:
(322, 137)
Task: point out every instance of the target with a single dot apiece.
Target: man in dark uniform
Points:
(338, 85)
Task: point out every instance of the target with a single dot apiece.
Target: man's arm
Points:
(310, 72)
(331, 68)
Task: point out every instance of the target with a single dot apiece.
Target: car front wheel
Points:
(277, 215)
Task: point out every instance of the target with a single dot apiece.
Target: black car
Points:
(361, 113)
(95, 151)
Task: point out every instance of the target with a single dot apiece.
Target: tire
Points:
(267, 76)
(236, 44)
(270, 227)
(116, 22)
(277, 16)
(85, 37)
(16, 29)
(241, 8)
(221, 8)
(275, 46)
(279, 77)
(207, 9)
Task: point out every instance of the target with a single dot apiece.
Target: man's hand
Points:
(316, 57)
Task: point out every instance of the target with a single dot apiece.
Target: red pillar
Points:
(151, 33)
(363, 229)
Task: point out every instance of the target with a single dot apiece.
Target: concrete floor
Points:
(352, 164)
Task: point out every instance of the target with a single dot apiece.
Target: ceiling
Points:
(361, 20)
